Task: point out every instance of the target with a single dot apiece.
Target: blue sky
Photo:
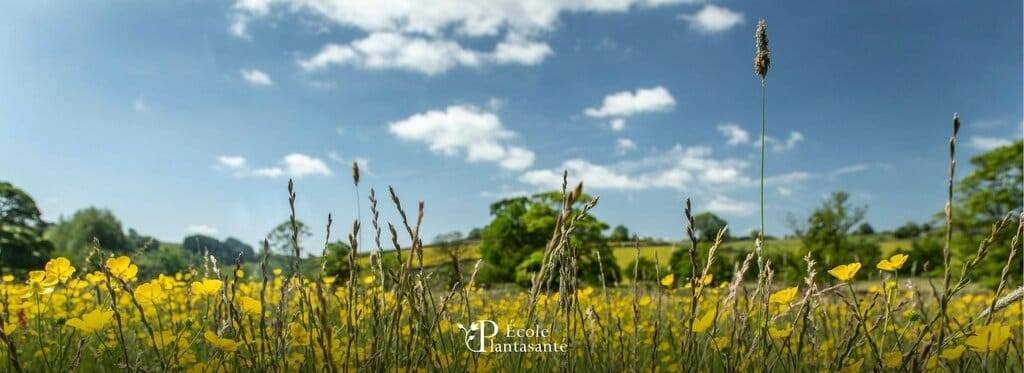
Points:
(189, 116)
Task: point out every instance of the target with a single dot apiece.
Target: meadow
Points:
(387, 312)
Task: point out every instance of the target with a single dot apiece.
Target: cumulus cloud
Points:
(231, 161)
(256, 77)
(713, 19)
(782, 146)
(724, 205)
(626, 103)
(464, 130)
(624, 145)
(202, 229)
(688, 169)
(295, 165)
(429, 56)
(987, 143)
(734, 134)
(465, 18)
(617, 124)
(432, 33)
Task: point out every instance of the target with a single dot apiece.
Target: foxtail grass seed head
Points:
(763, 58)
(355, 173)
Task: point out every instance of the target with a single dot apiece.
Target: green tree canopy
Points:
(619, 234)
(826, 234)
(522, 226)
(281, 237)
(336, 260)
(21, 230)
(707, 226)
(226, 252)
(73, 238)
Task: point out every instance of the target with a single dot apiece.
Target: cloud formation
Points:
(983, 143)
(465, 130)
(734, 134)
(294, 165)
(713, 19)
(256, 77)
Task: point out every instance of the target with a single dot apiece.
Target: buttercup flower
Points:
(894, 263)
(845, 272)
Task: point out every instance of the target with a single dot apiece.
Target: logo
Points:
(483, 336)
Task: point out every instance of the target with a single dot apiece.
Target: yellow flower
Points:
(8, 278)
(720, 343)
(892, 264)
(853, 368)
(122, 268)
(92, 321)
(328, 280)
(249, 305)
(206, 287)
(702, 324)
(220, 343)
(952, 353)
(277, 271)
(783, 296)
(780, 333)
(845, 272)
(61, 268)
(300, 337)
(668, 280)
(892, 360)
(368, 280)
(150, 293)
(164, 338)
(39, 283)
(644, 301)
(239, 273)
(989, 337)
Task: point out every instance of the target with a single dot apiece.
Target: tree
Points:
(452, 246)
(226, 252)
(281, 237)
(474, 234)
(619, 234)
(992, 190)
(865, 229)
(908, 230)
(336, 260)
(826, 235)
(21, 230)
(707, 226)
(73, 238)
(141, 242)
(164, 259)
(522, 226)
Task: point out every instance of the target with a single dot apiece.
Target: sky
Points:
(188, 117)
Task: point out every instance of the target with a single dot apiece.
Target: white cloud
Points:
(624, 145)
(782, 146)
(691, 170)
(431, 31)
(724, 205)
(232, 162)
(256, 77)
(295, 165)
(465, 130)
(987, 143)
(784, 191)
(467, 18)
(851, 169)
(626, 103)
(425, 55)
(617, 124)
(202, 229)
(713, 19)
(734, 134)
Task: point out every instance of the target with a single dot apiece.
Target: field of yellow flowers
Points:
(101, 317)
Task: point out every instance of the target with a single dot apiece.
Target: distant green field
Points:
(625, 254)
